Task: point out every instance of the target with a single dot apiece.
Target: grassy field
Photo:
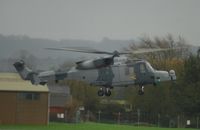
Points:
(82, 126)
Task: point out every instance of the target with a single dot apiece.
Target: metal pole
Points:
(99, 115)
(178, 118)
(158, 120)
(138, 112)
(197, 122)
(88, 115)
(119, 117)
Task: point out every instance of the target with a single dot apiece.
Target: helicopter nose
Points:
(162, 76)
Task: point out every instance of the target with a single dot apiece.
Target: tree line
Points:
(171, 101)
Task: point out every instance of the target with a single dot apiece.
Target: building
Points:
(21, 102)
(59, 97)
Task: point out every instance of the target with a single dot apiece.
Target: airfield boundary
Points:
(83, 126)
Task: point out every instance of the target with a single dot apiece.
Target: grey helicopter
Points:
(106, 72)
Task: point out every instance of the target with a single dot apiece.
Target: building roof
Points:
(13, 82)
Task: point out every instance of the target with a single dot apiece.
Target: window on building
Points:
(28, 96)
(60, 115)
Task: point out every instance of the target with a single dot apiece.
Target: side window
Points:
(142, 68)
(129, 70)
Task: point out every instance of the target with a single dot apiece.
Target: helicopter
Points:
(107, 72)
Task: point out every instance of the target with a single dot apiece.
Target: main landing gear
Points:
(141, 90)
(105, 92)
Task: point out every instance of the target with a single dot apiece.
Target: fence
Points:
(148, 119)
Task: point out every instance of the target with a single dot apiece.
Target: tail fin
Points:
(25, 72)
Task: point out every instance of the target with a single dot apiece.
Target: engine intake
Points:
(94, 64)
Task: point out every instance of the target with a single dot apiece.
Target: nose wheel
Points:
(105, 92)
(141, 90)
(100, 92)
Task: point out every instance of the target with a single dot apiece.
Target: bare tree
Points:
(178, 51)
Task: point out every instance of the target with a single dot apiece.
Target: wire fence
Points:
(136, 118)
(149, 119)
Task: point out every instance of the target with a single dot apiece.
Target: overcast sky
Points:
(96, 19)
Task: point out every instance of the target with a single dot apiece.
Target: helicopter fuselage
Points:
(120, 74)
(135, 73)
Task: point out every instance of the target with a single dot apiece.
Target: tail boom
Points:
(38, 78)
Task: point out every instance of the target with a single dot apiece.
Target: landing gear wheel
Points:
(108, 92)
(100, 92)
(141, 90)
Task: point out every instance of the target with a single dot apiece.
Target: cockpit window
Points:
(149, 67)
(142, 68)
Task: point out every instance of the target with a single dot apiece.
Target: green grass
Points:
(82, 126)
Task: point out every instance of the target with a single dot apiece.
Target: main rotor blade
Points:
(81, 50)
(116, 53)
(144, 51)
